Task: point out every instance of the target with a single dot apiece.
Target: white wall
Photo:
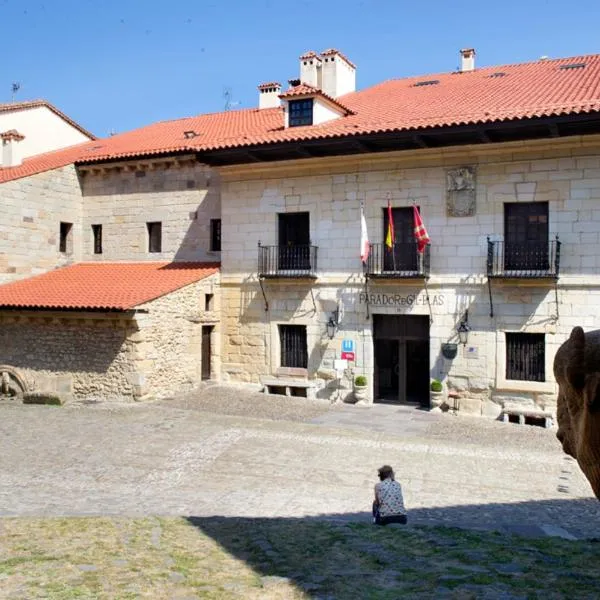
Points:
(43, 129)
(338, 77)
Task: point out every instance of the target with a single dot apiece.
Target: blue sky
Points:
(114, 65)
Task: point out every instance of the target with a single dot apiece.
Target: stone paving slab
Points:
(172, 458)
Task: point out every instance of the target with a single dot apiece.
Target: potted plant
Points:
(360, 388)
(437, 393)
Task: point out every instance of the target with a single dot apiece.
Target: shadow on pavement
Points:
(345, 556)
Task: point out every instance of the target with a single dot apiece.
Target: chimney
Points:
(269, 95)
(467, 62)
(11, 153)
(338, 74)
(310, 69)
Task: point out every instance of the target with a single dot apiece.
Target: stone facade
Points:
(184, 197)
(84, 356)
(31, 210)
(564, 173)
(169, 342)
(153, 352)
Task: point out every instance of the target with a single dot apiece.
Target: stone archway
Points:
(12, 383)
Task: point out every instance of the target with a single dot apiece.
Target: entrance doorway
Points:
(206, 351)
(401, 348)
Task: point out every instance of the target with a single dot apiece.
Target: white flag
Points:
(364, 237)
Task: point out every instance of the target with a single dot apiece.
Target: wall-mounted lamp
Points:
(332, 324)
(463, 329)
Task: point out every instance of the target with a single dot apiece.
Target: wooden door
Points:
(206, 351)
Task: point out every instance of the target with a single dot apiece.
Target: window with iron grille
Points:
(65, 244)
(154, 236)
(403, 255)
(294, 241)
(525, 356)
(292, 339)
(97, 232)
(215, 235)
(300, 112)
(526, 236)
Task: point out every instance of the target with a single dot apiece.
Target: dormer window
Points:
(301, 112)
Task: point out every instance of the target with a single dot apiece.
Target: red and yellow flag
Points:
(390, 236)
(421, 234)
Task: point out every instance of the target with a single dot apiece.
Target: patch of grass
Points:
(276, 559)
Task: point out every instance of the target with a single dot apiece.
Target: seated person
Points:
(388, 506)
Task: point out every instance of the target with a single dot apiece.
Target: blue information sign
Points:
(347, 345)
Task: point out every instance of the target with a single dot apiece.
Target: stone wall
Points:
(31, 210)
(93, 357)
(88, 358)
(183, 197)
(564, 173)
(168, 357)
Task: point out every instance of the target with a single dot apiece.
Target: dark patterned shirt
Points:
(389, 494)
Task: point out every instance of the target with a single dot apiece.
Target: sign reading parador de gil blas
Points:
(395, 300)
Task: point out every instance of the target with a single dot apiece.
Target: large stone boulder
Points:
(577, 372)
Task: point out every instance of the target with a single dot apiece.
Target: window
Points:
(525, 357)
(294, 241)
(300, 112)
(292, 339)
(215, 235)
(66, 238)
(97, 231)
(403, 257)
(526, 236)
(154, 236)
(208, 301)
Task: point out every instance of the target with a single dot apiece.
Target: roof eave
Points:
(408, 139)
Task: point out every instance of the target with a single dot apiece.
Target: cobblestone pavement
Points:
(225, 451)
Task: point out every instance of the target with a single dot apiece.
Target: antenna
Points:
(16, 86)
(227, 95)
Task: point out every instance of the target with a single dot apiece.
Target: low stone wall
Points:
(81, 358)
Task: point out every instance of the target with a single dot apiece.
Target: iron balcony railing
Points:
(287, 261)
(401, 261)
(527, 259)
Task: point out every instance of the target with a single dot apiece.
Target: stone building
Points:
(123, 331)
(501, 164)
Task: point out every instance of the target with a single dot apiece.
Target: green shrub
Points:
(42, 398)
(360, 381)
(436, 385)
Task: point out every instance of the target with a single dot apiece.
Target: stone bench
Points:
(526, 412)
(286, 386)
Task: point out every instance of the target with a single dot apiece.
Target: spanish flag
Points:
(390, 236)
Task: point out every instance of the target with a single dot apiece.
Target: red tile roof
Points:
(102, 286)
(12, 134)
(310, 54)
(303, 90)
(41, 163)
(485, 95)
(14, 106)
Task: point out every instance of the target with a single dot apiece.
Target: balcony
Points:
(527, 260)
(287, 262)
(400, 262)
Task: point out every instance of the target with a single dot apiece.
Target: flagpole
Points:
(392, 225)
(365, 263)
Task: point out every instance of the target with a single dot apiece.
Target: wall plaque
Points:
(460, 192)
